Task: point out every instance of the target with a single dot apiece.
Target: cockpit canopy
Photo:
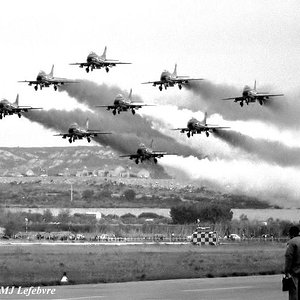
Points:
(74, 125)
(192, 121)
(119, 97)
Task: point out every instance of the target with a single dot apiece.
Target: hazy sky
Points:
(232, 42)
(229, 43)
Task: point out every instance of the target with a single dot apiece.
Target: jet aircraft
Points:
(95, 61)
(7, 108)
(77, 133)
(168, 79)
(124, 104)
(45, 80)
(251, 95)
(144, 153)
(194, 126)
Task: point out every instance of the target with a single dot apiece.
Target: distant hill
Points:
(55, 160)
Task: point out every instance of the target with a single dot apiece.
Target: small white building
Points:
(143, 174)
(29, 173)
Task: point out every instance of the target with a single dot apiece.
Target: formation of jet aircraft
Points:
(75, 132)
(122, 103)
(7, 108)
(95, 61)
(45, 80)
(146, 153)
(168, 79)
(250, 95)
(194, 126)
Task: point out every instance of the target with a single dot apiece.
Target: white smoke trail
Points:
(272, 183)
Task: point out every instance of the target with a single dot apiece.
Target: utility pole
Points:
(26, 225)
(71, 192)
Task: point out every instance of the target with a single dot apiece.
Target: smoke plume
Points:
(252, 176)
(275, 184)
(266, 150)
(125, 138)
(129, 130)
(281, 111)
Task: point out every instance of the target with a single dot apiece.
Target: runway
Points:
(229, 288)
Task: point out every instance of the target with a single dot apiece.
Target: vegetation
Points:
(129, 195)
(100, 192)
(212, 213)
(146, 224)
(44, 265)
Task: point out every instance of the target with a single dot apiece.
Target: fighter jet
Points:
(252, 95)
(45, 80)
(77, 133)
(194, 126)
(94, 61)
(143, 153)
(7, 108)
(124, 104)
(168, 79)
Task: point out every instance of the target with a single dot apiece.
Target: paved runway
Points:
(229, 288)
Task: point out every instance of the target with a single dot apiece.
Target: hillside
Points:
(52, 161)
(42, 177)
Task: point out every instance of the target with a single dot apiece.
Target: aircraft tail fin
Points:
(204, 119)
(151, 143)
(175, 71)
(52, 69)
(130, 94)
(104, 53)
(254, 84)
(87, 124)
(17, 100)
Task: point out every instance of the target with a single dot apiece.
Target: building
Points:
(143, 174)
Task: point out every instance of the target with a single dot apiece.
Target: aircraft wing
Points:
(116, 62)
(57, 80)
(185, 80)
(153, 82)
(131, 156)
(107, 106)
(85, 64)
(91, 132)
(28, 107)
(30, 81)
(25, 108)
(161, 153)
(182, 129)
(133, 105)
(268, 95)
(215, 127)
(234, 98)
(62, 134)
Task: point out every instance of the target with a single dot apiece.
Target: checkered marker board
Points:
(205, 238)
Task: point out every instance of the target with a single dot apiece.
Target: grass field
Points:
(45, 264)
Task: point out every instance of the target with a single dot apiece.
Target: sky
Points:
(228, 43)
